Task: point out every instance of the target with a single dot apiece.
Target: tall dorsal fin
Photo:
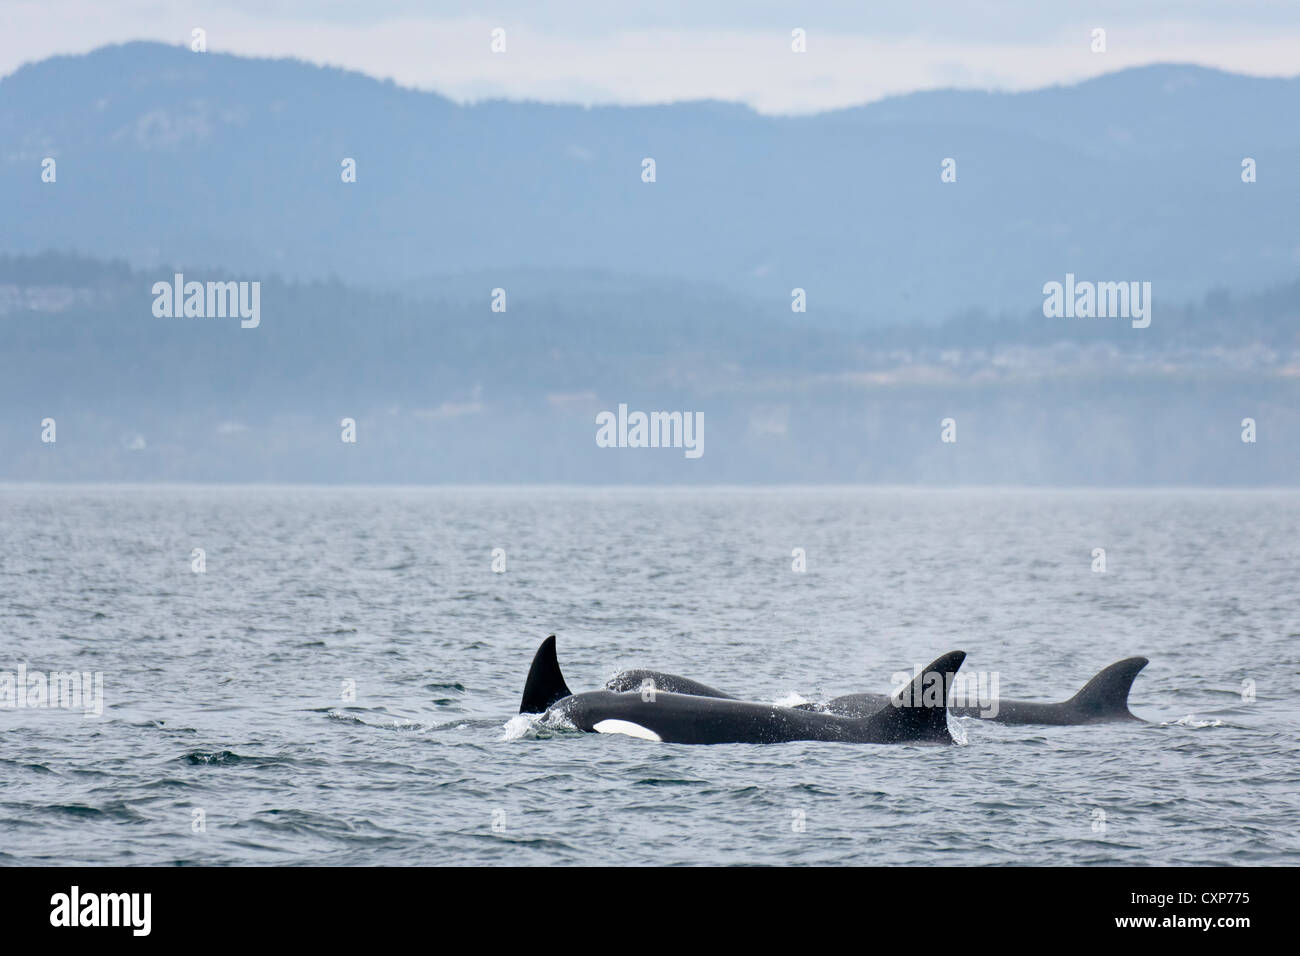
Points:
(920, 710)
(1107, 693)
(545, 684)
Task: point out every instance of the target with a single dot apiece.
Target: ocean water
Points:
(228, 736)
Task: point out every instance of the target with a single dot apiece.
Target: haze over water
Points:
(223, 690)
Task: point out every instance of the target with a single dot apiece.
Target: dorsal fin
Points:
(920, 710)
(545, 684)
(1107, 693)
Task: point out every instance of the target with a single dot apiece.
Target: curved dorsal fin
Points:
(545, 684)
(920, 710)
(1107, 693)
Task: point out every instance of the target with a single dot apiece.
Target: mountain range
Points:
(165, 156)
(924, 297)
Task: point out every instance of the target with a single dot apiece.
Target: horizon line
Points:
(6, 486)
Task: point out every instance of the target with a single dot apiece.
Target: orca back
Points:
(635, 680)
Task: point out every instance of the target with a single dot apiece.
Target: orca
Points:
(1104, 699)
(918, 713)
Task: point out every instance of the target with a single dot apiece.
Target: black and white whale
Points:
(916, 714)
(1104, 699)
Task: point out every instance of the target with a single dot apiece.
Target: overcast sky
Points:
(631, 51)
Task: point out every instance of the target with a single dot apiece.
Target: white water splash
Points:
(527, 725)
(1191, 720)
(957, 727)
(519, 726)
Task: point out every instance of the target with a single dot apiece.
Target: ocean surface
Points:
(229, 732)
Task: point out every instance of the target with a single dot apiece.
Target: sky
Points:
(633, 51)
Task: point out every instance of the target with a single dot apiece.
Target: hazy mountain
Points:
(166, 157)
